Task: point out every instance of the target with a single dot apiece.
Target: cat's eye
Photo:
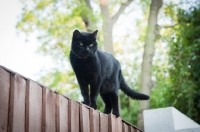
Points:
(81, 44)
(91, 45)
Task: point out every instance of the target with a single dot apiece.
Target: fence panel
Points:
(133, 129)
(118, 124)
(103, 122)
(94, 120)
(84, 118)
(74, 116)
(115, 124)
(17, 104)
(125, 127)
(4, 98)
(34, 107)
(62, 113)
(50, 110)
(26, 106)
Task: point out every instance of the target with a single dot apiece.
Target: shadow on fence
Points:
(28, 106)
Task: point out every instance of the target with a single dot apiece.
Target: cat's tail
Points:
(131, 93)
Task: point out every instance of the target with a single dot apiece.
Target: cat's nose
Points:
(87, 49)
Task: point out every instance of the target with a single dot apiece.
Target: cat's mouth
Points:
(83, 56)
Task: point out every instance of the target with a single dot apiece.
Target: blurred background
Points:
(157, 43)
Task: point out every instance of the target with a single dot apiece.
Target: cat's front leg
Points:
(86, 97)
(94, 91)
(84, 91)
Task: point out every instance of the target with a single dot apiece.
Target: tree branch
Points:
(121, 10)
(88, 4)
(89, 25)
(167, 26)
(104, 9)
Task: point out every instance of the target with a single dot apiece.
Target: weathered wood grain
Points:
(94, 120)
(115, 124)
(84, 118)
(4, 99)
(103, 122)
(33, 107)
(118, 124)
(111, 123)
(50, 110)
(131, 129)
(62, 106)
(17, 104)
(124, 127)
(74, 116)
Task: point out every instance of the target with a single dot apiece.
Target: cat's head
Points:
(84, 44)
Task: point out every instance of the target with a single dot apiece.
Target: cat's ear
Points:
(76, 33)
(95, 34)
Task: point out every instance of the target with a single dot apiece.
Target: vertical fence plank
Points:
(111, 123)
(131, 129)
(62, 113)
(17, 104)
(115, 124)
(84, 118)
(34, 107)
(50, 110)
(134, 129)
(73, 116)
(4, 99)
(94, 120)
(103, 122)
(118, 124)
(124, 127)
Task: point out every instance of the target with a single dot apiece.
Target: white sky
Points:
(15, 53)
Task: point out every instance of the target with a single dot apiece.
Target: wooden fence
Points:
(27, 106)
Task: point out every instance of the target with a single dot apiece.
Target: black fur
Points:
(98, 72)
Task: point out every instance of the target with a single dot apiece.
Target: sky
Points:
(15, 53)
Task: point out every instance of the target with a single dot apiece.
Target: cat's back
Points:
(104, 56)
(107, 59)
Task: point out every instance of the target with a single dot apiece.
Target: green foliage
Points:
(184, 57)
(54, 22)
(129, 108)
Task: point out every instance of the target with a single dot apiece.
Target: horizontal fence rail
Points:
(27, 106)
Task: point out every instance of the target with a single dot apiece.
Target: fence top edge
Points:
(29, 79)
(124, 121)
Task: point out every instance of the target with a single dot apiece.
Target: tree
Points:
(184, 61)
(109, 22)
(146, 71)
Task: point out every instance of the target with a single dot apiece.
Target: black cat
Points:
(98, 72)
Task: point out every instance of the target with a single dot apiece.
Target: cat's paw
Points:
(94, 106)
(107, 110)
(86, 103)
(116, 113)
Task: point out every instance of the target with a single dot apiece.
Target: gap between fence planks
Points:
(26, 105)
